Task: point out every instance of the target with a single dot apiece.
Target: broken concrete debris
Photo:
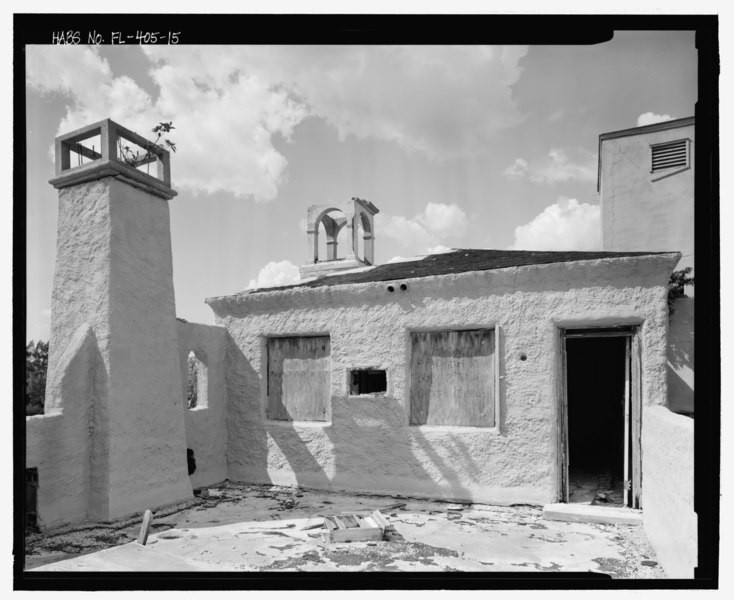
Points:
(355, 527)
(145, 527)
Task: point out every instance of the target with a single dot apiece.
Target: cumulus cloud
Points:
(649, 118)
(224, 126)
(442, 101)
(561, 166)
(438, 222)
(275, 274)
(517, 170)
(440, 249)
(397, 259)
(565, 225)
(229, 102)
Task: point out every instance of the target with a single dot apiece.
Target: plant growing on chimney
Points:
(134, 159)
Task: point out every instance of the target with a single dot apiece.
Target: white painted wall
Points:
(147, 441)
(654, 212)
(669, 520)
(643, 210)
(206, 424)
(112, 441)
(369, 445)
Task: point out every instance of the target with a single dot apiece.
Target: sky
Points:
(458, 147)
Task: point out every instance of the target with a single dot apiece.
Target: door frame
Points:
(633, 409)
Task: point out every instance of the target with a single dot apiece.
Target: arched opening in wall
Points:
(343, 243)
(196, 380)
(330, 224)
(322, 242)
(360, 240)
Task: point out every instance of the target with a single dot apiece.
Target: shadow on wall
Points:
(68, 444)
(680, 357)
(376, 450)
(368, 447)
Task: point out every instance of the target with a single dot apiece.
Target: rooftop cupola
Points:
(355, 214)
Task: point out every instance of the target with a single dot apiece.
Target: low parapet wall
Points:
(667, 474)
(205, 424)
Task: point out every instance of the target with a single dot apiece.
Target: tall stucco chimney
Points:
(113, 372)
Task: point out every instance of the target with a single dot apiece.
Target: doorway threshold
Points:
(588, 513)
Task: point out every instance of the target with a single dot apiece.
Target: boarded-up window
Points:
(299, 378)
(453, 378)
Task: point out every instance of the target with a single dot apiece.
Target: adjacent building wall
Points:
(642, 210)
(667, 472)
(369, 445)
(205, 424)
(645, 211)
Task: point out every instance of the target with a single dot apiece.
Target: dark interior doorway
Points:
(597, 376)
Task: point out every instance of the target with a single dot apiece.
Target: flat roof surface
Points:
(456, 261)
(269, 528)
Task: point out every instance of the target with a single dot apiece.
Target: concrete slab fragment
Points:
(129, 557)
(587, 513)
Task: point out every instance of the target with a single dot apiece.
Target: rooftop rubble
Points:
(244, 527)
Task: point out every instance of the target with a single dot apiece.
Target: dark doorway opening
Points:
(597, 390)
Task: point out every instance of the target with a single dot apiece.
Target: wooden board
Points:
(562, 428)
(636, 421)
(453, 378)
(351, 527)
(626, 459)
(299, 378)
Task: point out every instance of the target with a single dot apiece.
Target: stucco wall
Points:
(667, 474)
(681, 356)
(59, 443)
(147, 442)
(369, 445)
(205, 424)
(643, 210)
(654, 211)
(113, 437)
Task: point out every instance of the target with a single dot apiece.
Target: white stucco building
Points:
(646, 185)
(481, 375)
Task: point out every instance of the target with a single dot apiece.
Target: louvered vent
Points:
(669, 154)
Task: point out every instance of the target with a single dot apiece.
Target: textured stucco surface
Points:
(58, 444)
(643, 210)
(147, 441)
(667, 473)
(114, 401)
(369, 445)
(681, 355)
(654, 211)
(205, 424)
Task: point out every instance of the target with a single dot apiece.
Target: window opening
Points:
(367, 381)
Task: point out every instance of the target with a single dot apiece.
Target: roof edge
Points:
(673, 255)
(662, 126)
